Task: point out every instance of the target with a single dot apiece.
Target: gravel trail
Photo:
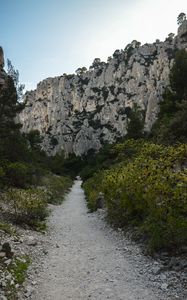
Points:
(88, 260)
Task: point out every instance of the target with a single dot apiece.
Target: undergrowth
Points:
(146, 189)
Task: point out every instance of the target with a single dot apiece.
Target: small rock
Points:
(8, 277)
(3, 283)
(163, 277)
(28, 291)
(2, 254)
(31, 241)
(157, 270)
(8, 262)
(164, 286)
(7, 249)
(12, 282)
(3, 297)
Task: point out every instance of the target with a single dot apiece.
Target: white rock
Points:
(81, 112)
(164, 286)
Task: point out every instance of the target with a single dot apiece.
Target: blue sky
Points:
(46, 38)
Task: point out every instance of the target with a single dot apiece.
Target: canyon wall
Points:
(76, 113)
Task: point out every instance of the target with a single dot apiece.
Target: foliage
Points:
(181, 18)
(150, 191)
(9, 107)
(14, 74)
(34, 139)
(69, 166)
(7, 228)
(18, 174)
(56, 187)
(18, 269)
(12, 145)
(178, 78)
(27, 205)
(135, 123)
(92, 187)
(171, 126)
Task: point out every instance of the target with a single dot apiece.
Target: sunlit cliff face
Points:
(76, 113)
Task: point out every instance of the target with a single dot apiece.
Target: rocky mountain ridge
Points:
(76, 113)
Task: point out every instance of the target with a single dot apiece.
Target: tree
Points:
(9, 107)
(178, 75)
(34, 139)
(181, 18)
(11, 142)
(96, 63)
(171, 126)
(81, 71)
(14, 74)
(135, 123)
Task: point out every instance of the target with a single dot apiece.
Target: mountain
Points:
(76, 113)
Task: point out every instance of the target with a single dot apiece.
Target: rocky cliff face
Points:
(81, 112)
(3, 75)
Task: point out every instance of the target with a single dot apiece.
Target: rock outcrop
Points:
(76, 113)
(2, 72)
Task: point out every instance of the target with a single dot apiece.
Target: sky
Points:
(46, 38)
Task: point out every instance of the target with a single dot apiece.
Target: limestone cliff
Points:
(3, 75)
(81, 112)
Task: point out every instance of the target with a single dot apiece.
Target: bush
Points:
(92, 187)
(27, 206)
(7, 228)
(18, 174)
(56, 187)
(18, 269)
(171, 126)
(150, 192)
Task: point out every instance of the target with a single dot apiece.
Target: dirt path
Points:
(87, 259)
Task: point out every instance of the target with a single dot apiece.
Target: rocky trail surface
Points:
(86, 259)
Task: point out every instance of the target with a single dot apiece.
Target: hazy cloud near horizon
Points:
(48, 38)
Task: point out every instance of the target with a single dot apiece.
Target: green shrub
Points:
(150, 192)
(92, 187)
(18, 174)
(18, 268)
(56, 187)
(27, 205)
(7, 228)
(171, 125)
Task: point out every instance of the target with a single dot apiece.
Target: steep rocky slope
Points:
(80, 112)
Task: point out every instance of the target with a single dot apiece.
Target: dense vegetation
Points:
(148, 189)
(144, 179)
(171, 126)
(26, 180)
